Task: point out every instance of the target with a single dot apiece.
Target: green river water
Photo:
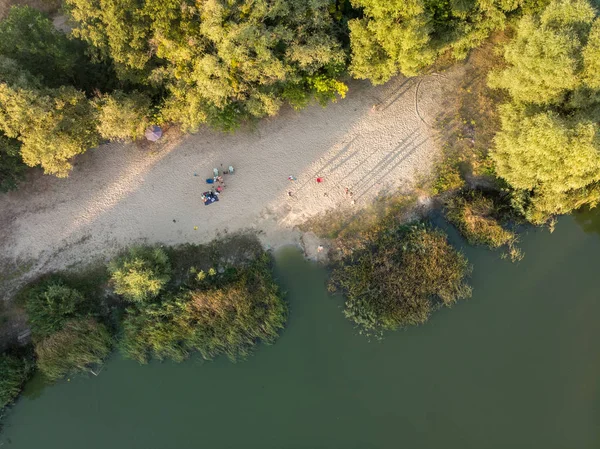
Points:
(516, 366)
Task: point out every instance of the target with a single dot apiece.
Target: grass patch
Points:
(398, 275)
(470, 122)
(482, 220)
(347, 223)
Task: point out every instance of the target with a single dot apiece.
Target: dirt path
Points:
(377, 139)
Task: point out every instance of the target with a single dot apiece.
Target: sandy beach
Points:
(377, 139)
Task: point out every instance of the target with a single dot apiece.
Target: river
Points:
(516, 366)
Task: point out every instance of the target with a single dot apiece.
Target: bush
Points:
(225, 314)
(141, 274)
(49, 305)
(476, 217)
(79, 345)
(15, 371)
(399, 276)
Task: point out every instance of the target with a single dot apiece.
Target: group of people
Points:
(217, 180)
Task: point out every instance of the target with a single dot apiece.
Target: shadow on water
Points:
(36, 385)
(588, 219)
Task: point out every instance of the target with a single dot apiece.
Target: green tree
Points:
(141, 274)
(405, 37)
(555, 159)
(120, 31)
(220, 61)
(76, 348)
(545, 58)
(54, 125)
(29, 37)
(123, 116)
(591, 57)
(12, 168)
(398, 276)
(392, 37)
(50, 305)
(548, 146)
(15, 372)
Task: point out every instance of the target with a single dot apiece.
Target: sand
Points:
(378, 139)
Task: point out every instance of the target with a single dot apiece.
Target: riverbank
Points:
(377, 140)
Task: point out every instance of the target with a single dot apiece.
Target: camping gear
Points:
(209, 198)
(319, 180)
(210, 181)
(153, 133)
(216, 172)
(231, 169)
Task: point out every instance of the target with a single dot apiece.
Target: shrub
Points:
(475, 216)
(12, 168)
(49, 305)
(213, 319)
(15, 371)
(141, 274)
(79, 345)
(399, 276)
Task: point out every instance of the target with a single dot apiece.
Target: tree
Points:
(12, 168)
(556, 159)
(406, 36)
(15, 371)
(545, 58)
(549, 142)
(123, 116)
(54, 125)
(29, 37)
(591, 57)
(140, 274)
(221, 62)
(392, 37)
(118, 30)
(398, 276)
(76, 348)
(50, 305)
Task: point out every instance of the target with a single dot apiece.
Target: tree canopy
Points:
(548, 147)
(141, 274)
(123, 116)
(220, 61)
(406, 36)
(50, 305)
(546, 58)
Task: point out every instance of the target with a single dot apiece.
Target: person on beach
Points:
(291, 178)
